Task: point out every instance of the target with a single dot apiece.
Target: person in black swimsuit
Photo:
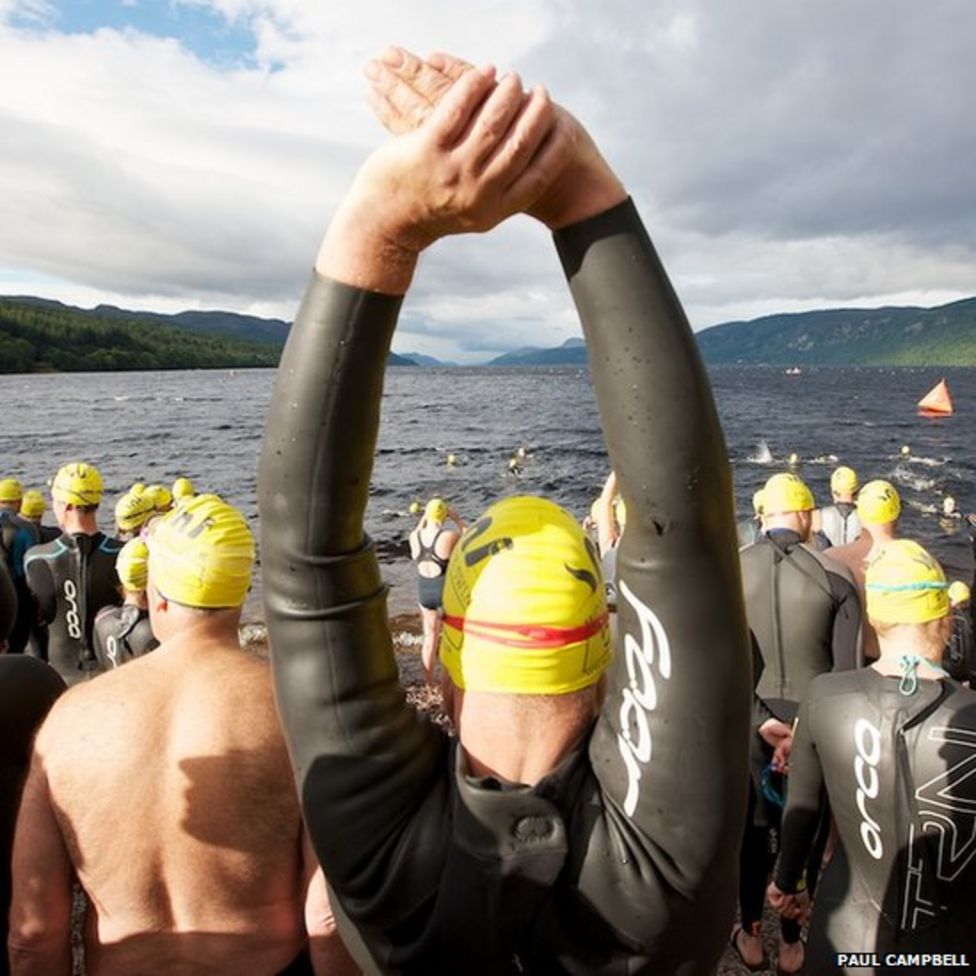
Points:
(581, 821)
(431, 544)
(892, 748)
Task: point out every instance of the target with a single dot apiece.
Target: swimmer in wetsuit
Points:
(17, 535)
(892, 747)
(840, 522)
(32, 507)
(74, 576)
(28, 688)
(182, 826)
(805, 616)
(431, 544)
(123, 633)
(562, 831)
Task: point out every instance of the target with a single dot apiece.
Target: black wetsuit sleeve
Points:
(805, 799)
(675, 722)
(40, 581)
(846, 640)
(363, 758)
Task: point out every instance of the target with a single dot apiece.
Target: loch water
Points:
(207, 425)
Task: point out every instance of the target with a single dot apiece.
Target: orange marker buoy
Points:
(937, 402)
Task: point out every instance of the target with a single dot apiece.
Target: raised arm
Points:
(363, 759)
(675, 723)
(671, 743)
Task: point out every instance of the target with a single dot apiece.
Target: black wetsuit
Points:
(8, 602)
(72, 578)
(430, 589)
(28, 688)
(121, 634)
(17, 535)
(805, 618)
(617, 862)
(898, 773)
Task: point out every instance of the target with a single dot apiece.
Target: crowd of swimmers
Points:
(613, 779)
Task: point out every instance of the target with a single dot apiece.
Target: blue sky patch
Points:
(200, 29)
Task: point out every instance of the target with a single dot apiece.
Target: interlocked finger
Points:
(489, 129)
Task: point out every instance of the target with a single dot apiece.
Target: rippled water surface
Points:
(207, 425)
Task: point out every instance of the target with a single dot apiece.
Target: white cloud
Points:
(815, 153)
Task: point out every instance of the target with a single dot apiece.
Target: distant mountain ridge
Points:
(41, 334)
(571, 353)
(891, 336)
(894, 336)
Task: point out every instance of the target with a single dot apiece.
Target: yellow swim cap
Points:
(436, 510)
(958, 593)
(77, 484)
(878, 502)
(183, 488)
(757, 502)
(202, 553)
(132, 565)
(138, 488)
(33, 505)
(786, 493)
(905, 585)
(11, 490)
(161, 498)
(844, 480)
(524, 604)
(132, 510)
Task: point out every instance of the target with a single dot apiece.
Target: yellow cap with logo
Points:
(11, 490)
(435, 510)
(132, 510)
(844, 480)
(78, 484)
(784, 493)
(905, 585)
(132, 565)
(524, 604)
(958, 593)
(183, 488)
(878, 502)
(33, 505)
(201, 554)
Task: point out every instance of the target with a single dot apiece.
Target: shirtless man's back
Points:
(166, 788)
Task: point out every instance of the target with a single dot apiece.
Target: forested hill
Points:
(942, 336)
(38, 335)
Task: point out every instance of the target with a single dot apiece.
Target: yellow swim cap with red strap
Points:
(524, 604)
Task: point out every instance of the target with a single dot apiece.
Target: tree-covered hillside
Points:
(38, 335)
(943, 336)
(35, 338)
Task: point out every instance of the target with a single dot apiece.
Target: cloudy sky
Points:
(171, 154)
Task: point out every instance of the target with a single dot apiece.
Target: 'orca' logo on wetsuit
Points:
(867, 741)
(72, 618)
(640, 696)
